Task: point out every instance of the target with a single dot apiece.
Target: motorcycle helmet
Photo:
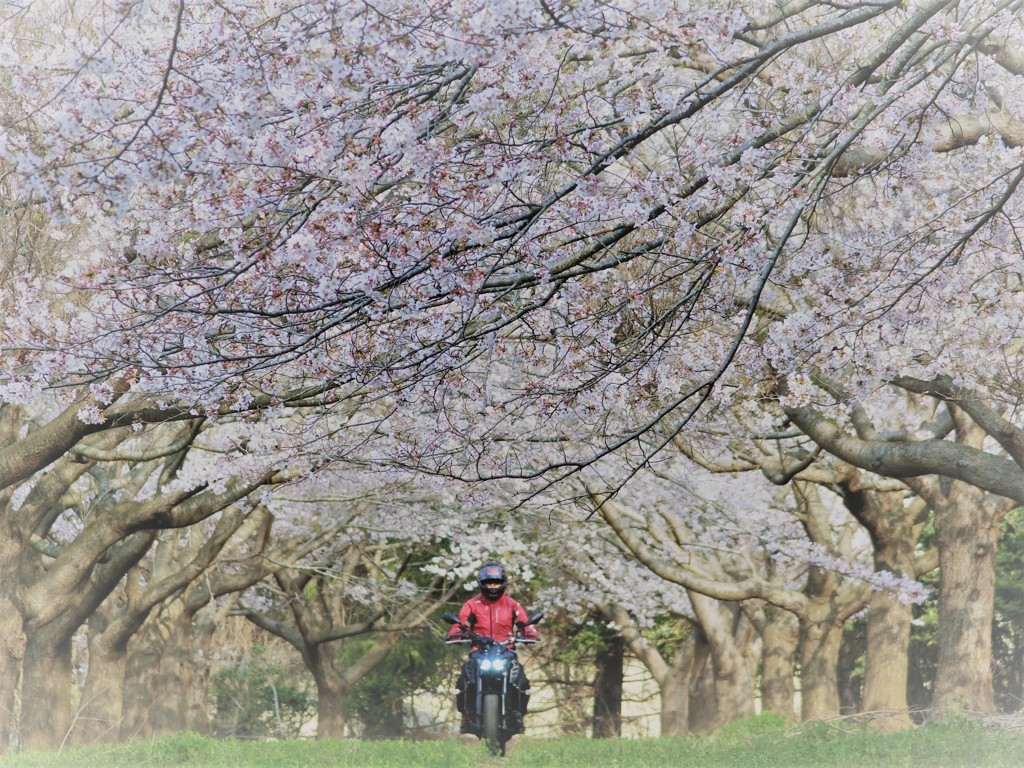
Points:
(492, 581)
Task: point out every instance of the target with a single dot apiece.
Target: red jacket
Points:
(494, 618)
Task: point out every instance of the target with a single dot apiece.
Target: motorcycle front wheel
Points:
(492, 724)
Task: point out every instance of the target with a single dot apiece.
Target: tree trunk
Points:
(703, 710)
(887, 663)
(99, 714)
(12, 627)
(12, 652)
(675, 697)
(46, 691)
(332, 693)
(820, 640)
(778, 657)
(205, 624)
(730, 637)
(894, 528)
(141, 686)
(174, 679)
(967, 532)
(332, 712)
(608, 689)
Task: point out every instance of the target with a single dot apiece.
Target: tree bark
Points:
(12, 648)
(46, 687)
(967, 520)
(779, 639)
(46, 720)
(703, 711)
(173, 676)
(334, 685)
(100, 711)
(894, 528)
(884, 697)
(141, 689)
(967, 532)
(332, 695)
(205, 625)
(674, 686)
(730, 638)
(969, 490)
(820, 639)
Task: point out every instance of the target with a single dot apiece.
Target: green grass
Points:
(760, 742)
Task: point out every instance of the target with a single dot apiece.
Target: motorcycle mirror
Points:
(535, 617)
(472, 619)
(450, 618)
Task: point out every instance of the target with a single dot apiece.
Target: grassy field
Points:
(756, 743)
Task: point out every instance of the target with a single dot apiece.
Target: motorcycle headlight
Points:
(485, 664)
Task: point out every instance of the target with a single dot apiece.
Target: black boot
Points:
(515, 722)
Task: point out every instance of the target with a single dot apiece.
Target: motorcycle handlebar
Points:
(474, 638)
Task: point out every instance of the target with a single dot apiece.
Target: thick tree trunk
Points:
(332, 690)
(608, 689)
(703, 710)
(674, 684)
(334, 685)
(12, 627)
(205, 625)
(820, 640)
(100, 711)
(887, 664)
(12, 652)
(675, 699)
(173, 679)
(332, 712)
(730, 637)
(894, 528)
(967, 531)
(141, 687)
(778, 658)
(46, 692)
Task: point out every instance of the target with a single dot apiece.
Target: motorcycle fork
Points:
(503, 690)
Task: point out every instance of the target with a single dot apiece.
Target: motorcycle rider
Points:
(495, 614)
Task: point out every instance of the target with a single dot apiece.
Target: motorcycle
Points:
(490, 714)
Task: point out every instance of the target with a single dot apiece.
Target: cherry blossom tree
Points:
(159, 625)
(390, 199)
(597, 574)
(79, 528)
(969, 480)
(740, 553)
(364, 581)
(890, 515)
(523, 237)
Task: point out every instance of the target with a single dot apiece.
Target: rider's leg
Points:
(521, 686)
(465, 696)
